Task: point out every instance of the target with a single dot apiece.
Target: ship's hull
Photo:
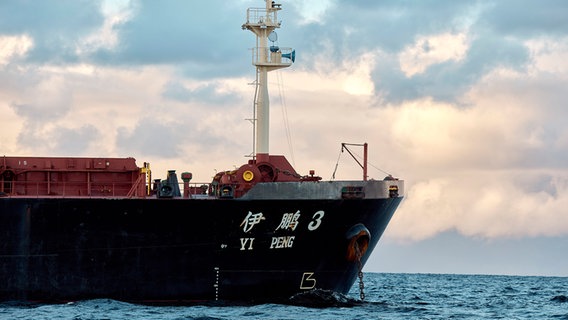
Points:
(152, 250)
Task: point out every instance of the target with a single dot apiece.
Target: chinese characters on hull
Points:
(251, 220)
(289, 222)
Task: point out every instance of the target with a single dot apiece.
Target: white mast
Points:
(262, 22)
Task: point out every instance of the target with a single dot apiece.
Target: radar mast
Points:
(262, 22)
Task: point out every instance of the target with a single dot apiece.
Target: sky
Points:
(464, 100)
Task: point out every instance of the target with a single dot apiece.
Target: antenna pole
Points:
(262, 22)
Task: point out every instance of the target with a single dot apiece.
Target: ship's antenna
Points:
(262, 22)
(253, 119)
(285, 116)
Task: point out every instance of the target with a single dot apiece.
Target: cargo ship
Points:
(75, 228)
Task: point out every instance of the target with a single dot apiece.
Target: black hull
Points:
(168, 250)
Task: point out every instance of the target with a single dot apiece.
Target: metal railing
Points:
(261, 16)
(272, 56)
(69, 189)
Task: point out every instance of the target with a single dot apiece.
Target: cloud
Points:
(54, 26)
(510, 19)
(12, 47)
(204, 38)
(212, 93)
(73, 140)
(106, 36)
(399, 34)
(48, 99)
(153, 138)
(496, 168)
(432, 50)
(484, 204)
(312, 12)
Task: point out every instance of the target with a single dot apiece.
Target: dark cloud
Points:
(527, 18)
(166, 32)
(496, 31)
(59, 140)
(31, 137)
(178, 92)
(169, 139)
(203, 37)
(69, 141)
(537, 183)
(41, 112)
(152, 138)
(356, 27)
(45, 17)
(449, 80)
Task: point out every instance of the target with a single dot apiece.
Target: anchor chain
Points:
(360, 274)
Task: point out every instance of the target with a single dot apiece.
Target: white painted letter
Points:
(273, 242)
(244, 243)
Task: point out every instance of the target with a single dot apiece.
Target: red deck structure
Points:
(72, 177)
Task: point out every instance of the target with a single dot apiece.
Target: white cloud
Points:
(487, 204)
(433, 49)
(106, 37)
(358, 79)
(312, 11)
(352, 76)
(549, 54)
(495, 168)
(14, 46)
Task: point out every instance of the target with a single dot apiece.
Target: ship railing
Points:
(262, 17)
(194, 190)
(69, 189)
(272, 56)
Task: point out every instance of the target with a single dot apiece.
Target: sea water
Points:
(387, 296)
